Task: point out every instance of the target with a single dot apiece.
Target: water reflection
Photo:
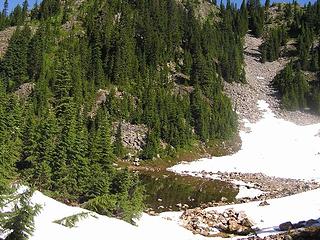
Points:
(167, 191)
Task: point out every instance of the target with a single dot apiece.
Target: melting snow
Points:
(274, 147)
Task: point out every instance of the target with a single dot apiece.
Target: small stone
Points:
(185, 206)
(224, 199)
(264, 203)
(179, 205)
(152, 213)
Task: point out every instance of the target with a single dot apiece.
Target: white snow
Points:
(274, 146)
(102, 227)
(303, 206)
(245, 192)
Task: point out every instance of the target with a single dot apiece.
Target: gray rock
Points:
(299, 224)
(311, 222)
(285, 226)
(264, 203)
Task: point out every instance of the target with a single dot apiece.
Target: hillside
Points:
(93, 94)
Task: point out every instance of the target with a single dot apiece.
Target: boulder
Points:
(311, 222)
(285, 226)
(236, 228)
(299, 224)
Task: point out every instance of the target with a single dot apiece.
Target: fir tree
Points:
(118, 146)
(21, 220)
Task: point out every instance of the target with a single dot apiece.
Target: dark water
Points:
(166, 190)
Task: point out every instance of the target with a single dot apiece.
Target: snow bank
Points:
(303, 206)
(99, 227)
(102, 227)
(274, 147)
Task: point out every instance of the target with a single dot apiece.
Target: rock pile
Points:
(133, 136)
(209, 223)
(25, 90)
(258, 76)
(273, 187)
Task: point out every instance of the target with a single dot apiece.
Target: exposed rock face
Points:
(208, 223)
(5, 37)
(101, 98)
(25, 90)
(133, 136)
(258, 76)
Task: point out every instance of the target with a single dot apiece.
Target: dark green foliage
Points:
(152, 146)
(49, 8)
(14, 65)
(271, 48)
(21, 219)
(256, 17)
(118, 147)
(293, 88)
(129, 195)
(124, 199)
(305, 40)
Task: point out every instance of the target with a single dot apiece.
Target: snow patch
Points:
(245, 192)
(274, 147)
(101, 227)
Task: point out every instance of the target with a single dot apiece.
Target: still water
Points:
(167, 191)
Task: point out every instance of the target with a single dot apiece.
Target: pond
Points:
(167, 191)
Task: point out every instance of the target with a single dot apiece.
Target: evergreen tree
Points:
(14, 65)
(292, 87)
(118, 146)
(21, 219)
(5, 8)
(152, 146)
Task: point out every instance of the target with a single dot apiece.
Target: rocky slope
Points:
(5, 37)
(259, 77)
